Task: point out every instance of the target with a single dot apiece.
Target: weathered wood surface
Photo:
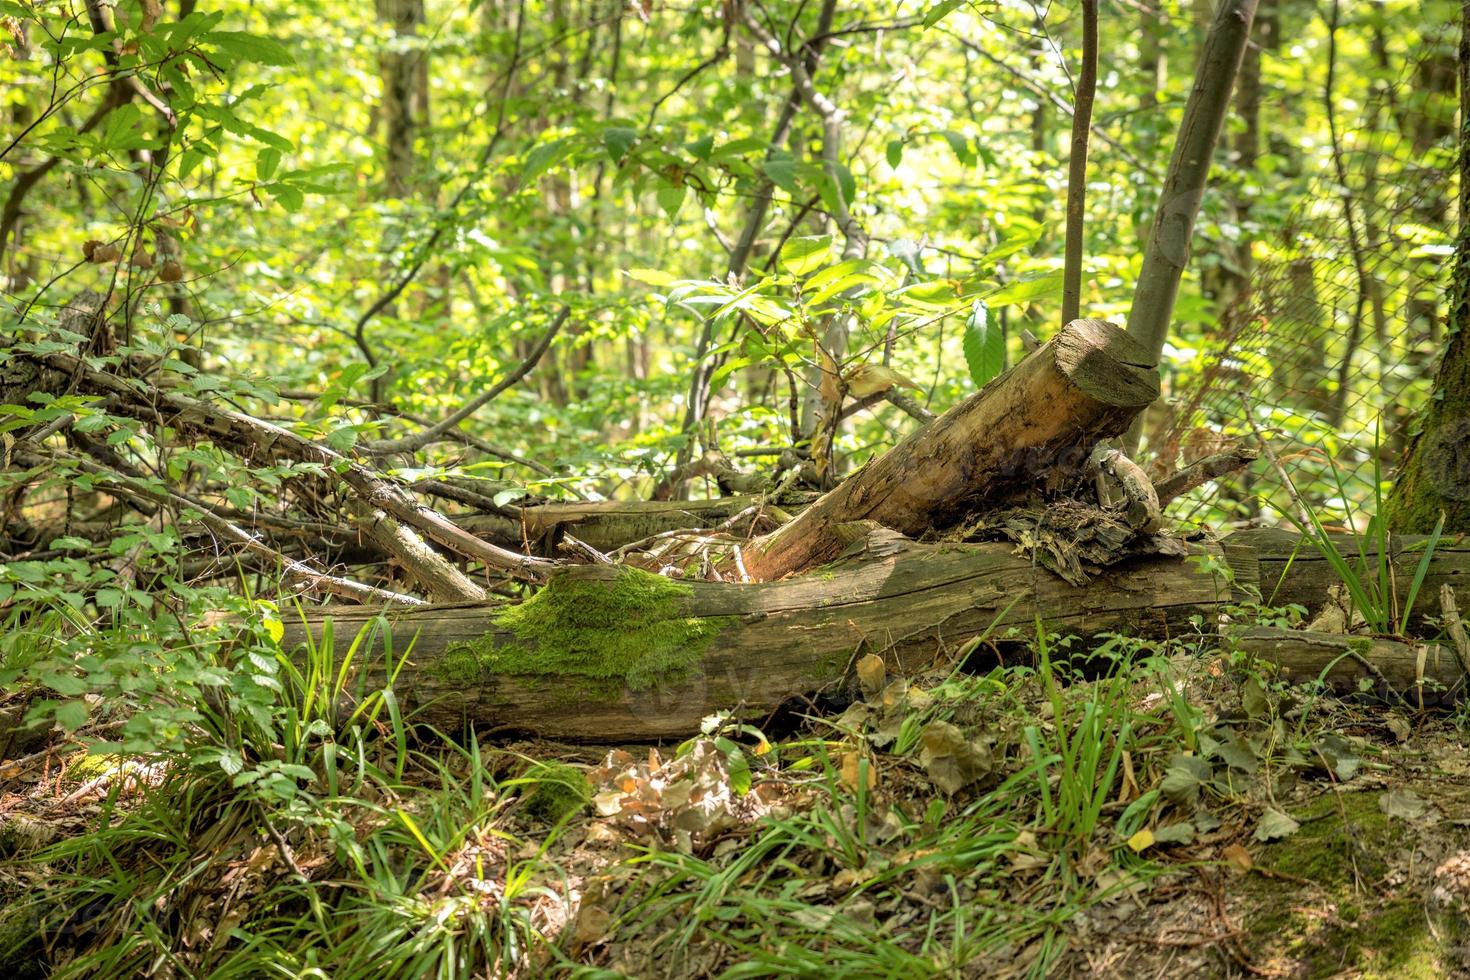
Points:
(799, 635)
(1416, 671)
(1033, 427)
(787, 638)
(1289, 570)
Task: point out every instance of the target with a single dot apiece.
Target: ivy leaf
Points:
(801, 256)
(985, 346)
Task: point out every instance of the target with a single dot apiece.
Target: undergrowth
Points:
(295, 822)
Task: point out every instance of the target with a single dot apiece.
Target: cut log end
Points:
(1106, 364)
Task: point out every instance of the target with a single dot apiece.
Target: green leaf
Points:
(71, 715)
(985, 346)
(1275, 824)
(619, 140)
(960, 146)
(243, 46)
(124, 129)
(701, 148)
(895, 153)
(545, 156)
(939, 10)
(801, 256)
(845, 182)
(266, 162)
(670, 198)
(287, 196)
(654, 277)
(782, 172)
(1025, 289)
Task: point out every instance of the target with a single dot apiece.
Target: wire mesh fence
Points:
(1333, 322)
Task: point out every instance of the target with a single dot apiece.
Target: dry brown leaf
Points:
(871, 675)
(851, 768)
(828, 388)
(869, 379)
(1238, 858)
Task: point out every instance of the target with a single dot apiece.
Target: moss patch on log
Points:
(601, 635)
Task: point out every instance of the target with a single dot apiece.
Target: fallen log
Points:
(609, 654)
(1391, 668)
(1030, 429)
(1290, 571)
(591, 663)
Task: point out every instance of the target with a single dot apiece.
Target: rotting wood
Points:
(1031, 428)
(774, 640)
(913, 604)
(1391, 668)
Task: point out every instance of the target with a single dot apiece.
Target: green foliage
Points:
(1369, 578)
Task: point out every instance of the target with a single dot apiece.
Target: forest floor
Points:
(1178, 816)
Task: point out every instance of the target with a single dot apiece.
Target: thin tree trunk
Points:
(1168, 245)
(1167, 249)
(1077, 167)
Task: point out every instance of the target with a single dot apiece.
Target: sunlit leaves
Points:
(938, 12)
(242, 46)
(801, 256)
(1026, 289)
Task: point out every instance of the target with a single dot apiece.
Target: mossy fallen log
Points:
(607, 654)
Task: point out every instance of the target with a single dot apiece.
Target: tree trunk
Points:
(1032, 428)
(1167, 250)
(405, 103)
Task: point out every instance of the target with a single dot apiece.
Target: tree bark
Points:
(1031, 428)
(1391, 668)
(1077, 167)
(774, 641)
(405, 103)
(1167, 251)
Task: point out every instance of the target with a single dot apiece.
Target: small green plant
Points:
(1077, 757)
(1369, 580)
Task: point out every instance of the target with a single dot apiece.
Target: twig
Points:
(1204, 470)
(1304, 513)
(408, 444)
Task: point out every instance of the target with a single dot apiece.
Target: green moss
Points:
(1392, 939)
(602, 635)
(555, 791)
(1327, 847)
